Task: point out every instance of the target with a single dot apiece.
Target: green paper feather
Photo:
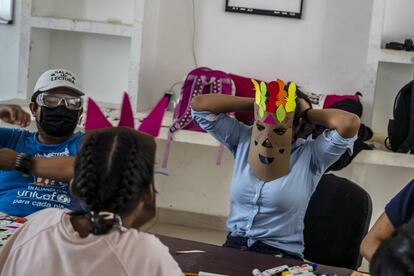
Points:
(261, 112)
(263, 88)
(263, 98)
(280, 114)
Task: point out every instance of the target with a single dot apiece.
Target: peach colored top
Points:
(48, 245)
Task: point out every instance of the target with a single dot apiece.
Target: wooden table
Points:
(228, 261)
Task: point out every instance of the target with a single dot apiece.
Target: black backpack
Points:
(401, 129)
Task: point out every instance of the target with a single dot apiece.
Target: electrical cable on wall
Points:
(194, 34)
(175, 95)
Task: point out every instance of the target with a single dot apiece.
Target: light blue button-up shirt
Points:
(273, 212)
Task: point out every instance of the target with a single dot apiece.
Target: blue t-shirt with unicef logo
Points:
(22, 196)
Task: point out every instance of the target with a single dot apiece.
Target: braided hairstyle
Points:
(395, 256)
(113, 170)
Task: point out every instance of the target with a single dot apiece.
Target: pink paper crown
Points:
(95, 118)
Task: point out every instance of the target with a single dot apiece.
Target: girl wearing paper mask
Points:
(275, 173)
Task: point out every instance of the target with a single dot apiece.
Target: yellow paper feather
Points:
(258, 93)
(291, 98)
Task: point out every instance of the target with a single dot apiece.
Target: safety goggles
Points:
(52, 101)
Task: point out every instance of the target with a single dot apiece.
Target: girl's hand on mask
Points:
(14, 114)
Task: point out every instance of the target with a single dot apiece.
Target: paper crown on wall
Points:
(273, 98)
(95, 118)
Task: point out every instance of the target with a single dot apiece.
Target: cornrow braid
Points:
(127, 192)
(112, 172)
(87, 172)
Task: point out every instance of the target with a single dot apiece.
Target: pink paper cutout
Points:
(127, 116)
(270, 120)
(152, 123)
(94, 117)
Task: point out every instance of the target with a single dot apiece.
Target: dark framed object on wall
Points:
(284, 8)
(6, 11)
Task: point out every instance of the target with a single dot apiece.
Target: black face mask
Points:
(58, 122)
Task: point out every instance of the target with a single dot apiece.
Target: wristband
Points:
(24, 164)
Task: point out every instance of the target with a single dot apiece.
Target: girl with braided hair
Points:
(114, 179)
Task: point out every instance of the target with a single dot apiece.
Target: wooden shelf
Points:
(394, 56)
(73, 25)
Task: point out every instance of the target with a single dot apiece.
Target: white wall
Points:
(150, 38)
(9, 54)
(103, 72)
(399, 21)
(169, 59)
(325, 51)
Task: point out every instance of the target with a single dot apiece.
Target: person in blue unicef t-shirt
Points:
(36, 167)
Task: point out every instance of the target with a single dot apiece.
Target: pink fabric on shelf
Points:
(333, 98)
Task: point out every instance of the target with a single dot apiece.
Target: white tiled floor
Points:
(188, 233)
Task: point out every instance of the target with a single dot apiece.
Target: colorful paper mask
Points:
(271, 141)
(95, 119)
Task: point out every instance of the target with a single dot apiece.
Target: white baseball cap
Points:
(54, 78)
